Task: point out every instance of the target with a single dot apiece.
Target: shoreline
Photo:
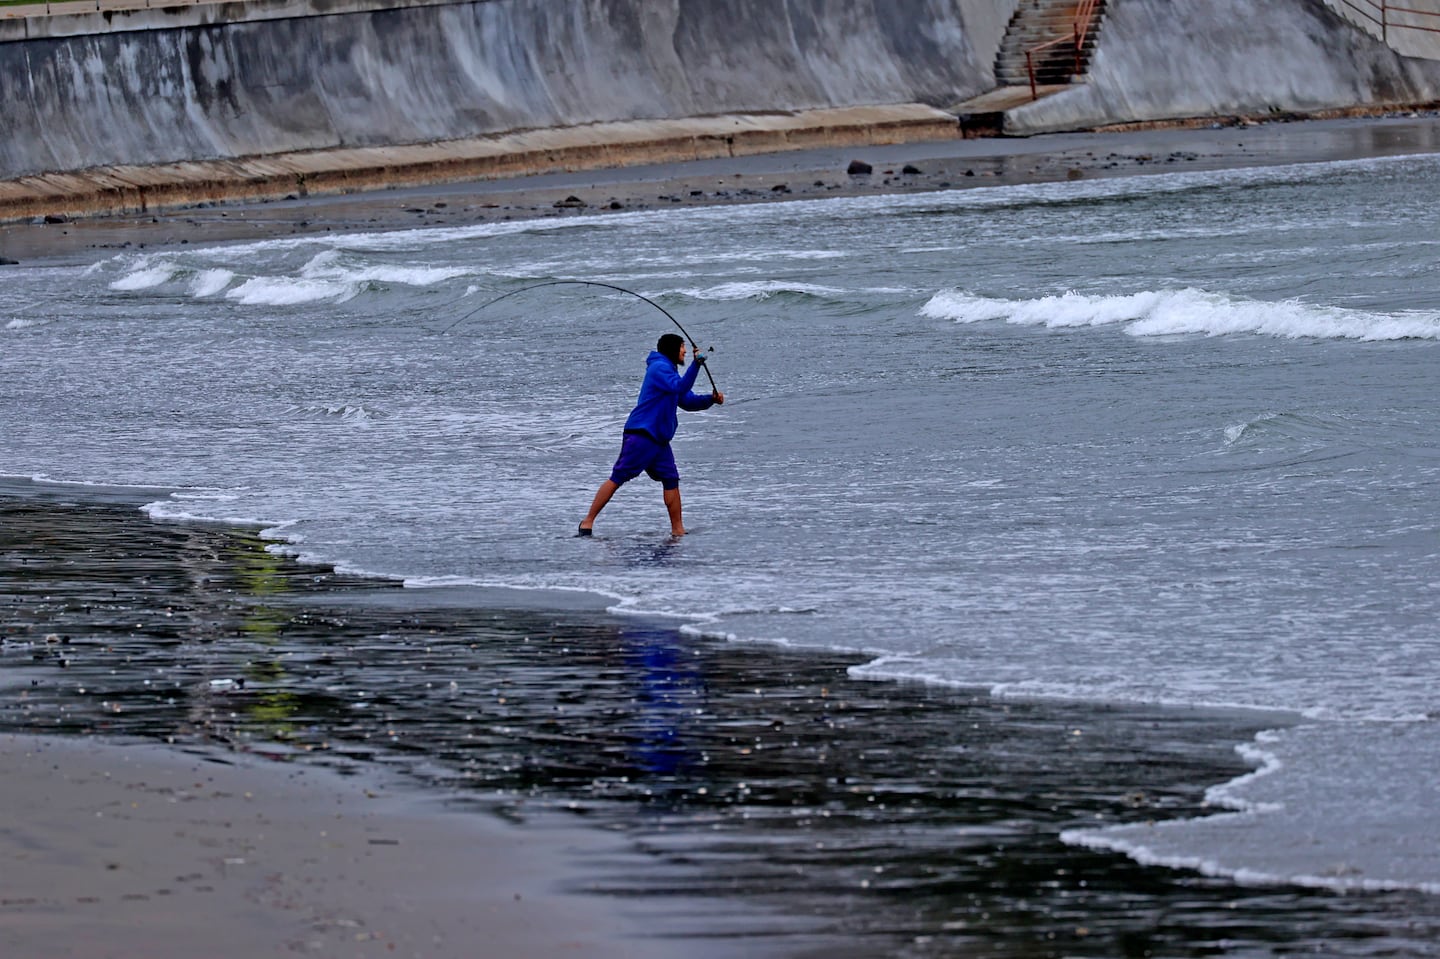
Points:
(686, 796)
(767, 177)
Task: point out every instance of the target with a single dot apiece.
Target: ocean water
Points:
(1164, 439)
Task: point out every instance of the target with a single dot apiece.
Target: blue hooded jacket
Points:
(663, 390)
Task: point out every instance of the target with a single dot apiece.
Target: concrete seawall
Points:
(129, 110)
(140, 188)
(426, 73)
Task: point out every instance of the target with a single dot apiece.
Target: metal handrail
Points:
(1366, 11)
(1084, 14)
(1369, 8)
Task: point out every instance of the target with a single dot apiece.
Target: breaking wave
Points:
(1188, 311)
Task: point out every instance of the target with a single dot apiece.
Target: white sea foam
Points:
(207, 496)
(758, 290)
(540, 597)
(1187, 311)
(400, 240)
(764, 289)
(1360, 837)
(146, 275)
(332, 274)
(335, 265)
(209, 282)
(288, 291)
(170, 509)
(627, 607)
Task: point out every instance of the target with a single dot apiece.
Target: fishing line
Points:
(694, 347)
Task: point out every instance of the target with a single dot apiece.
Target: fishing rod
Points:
(694, 347)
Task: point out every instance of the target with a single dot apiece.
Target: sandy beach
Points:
(777, 177)
(122, 849)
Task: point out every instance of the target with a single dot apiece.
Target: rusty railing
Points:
(1379, 13)
(1084, 13)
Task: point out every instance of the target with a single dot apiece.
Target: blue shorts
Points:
(639, 453)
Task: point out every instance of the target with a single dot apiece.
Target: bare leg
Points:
(602, 496)
(672, 506)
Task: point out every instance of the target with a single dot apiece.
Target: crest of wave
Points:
(146, 273)
(329, 275)
(334, 265)
(1174, 312)
(758, 290)
(338, 277)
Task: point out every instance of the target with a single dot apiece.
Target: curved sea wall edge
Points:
(250, 98)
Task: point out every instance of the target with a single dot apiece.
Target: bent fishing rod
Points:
(694, 347)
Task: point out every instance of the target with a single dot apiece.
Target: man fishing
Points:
(651, 426)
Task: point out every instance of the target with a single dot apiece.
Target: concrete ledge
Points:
(138, 189)
(1251, 120)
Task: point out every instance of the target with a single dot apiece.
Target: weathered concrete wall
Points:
(425, 73)
(1163, 60)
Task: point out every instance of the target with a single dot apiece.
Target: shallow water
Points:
(1150, 440)
(770, 804)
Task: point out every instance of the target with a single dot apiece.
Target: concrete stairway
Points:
(1039, 22)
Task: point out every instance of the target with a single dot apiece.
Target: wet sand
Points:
(394, 766)
(126, 849)
(807, 174)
